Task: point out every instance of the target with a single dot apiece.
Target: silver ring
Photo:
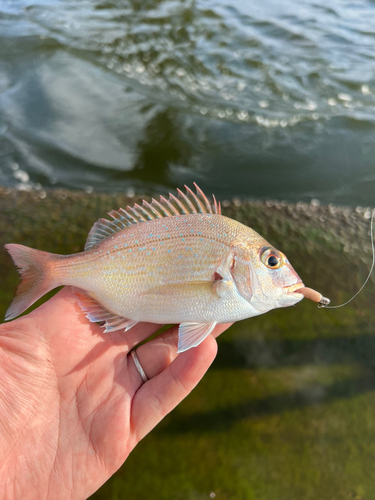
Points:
(138, 365)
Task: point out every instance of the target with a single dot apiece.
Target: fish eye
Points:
(272, 261)
(271, 258)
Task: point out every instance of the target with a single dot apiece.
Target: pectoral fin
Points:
(192, 334)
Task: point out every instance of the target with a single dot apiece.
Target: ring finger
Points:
(158, 353)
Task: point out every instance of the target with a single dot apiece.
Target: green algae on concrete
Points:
(287, 409)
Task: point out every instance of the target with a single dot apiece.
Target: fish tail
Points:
(36, 273)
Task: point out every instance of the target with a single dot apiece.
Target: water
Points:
(261, 99)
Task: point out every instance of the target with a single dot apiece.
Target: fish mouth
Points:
(294, 288)
(308, 293)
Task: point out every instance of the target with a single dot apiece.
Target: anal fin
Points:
(96, 313)
(192, 334)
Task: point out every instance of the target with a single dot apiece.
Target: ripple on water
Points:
(201, 55)
(153, 92)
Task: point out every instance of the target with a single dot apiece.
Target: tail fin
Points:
(36, 279)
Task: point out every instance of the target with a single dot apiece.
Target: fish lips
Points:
(291, 293)
(294, 288)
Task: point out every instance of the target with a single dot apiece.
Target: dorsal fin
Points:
(189, 203)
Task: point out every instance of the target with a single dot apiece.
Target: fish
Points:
(173, 261)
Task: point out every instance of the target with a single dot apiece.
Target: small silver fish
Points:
(169, 261)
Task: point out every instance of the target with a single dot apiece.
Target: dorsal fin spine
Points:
(189, 203)
(110, 224)
(185, 198)
(130, 216)
(215, 203)
(148, 211)
(117, 215)
(136, 214)
(170, 206)
(204, 197)
(153, 210)
(140, 209)
(113, 223)
(125, 217)
(196, 199)
(171, 196)
(163, 209)
(102, 228)
(102, 233)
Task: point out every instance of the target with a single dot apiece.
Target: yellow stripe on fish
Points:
(169, 261)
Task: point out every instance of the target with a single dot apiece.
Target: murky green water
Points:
(287, 410)
(262, 99)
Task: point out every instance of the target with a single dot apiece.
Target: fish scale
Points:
(169, 261)
(188, 249)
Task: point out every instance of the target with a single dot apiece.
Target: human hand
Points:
(72, 403)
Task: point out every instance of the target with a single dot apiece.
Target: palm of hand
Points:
(72, 404)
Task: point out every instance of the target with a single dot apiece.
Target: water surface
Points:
(262, 99)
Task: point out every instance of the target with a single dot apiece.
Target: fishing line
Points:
(369, 274)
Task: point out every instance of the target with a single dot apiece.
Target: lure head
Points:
(265, 277)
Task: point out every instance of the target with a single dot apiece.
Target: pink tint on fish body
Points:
(174, 261)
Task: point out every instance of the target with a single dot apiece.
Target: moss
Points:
(287, 409)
